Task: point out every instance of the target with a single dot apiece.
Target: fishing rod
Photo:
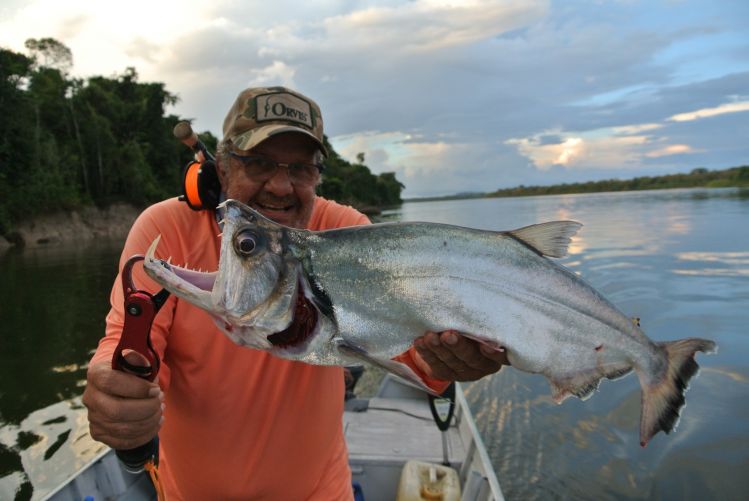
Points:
(183, 131)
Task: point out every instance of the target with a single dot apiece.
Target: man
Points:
(236, 423)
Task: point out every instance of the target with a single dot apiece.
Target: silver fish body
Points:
(365, 293)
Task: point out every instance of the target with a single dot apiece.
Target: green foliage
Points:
(66, 142)
(736, 176)
(354, 183)
(53, 54)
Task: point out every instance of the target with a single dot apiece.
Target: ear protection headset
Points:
(200, 185)
(201, 188)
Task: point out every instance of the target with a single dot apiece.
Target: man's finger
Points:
(433, 342)
(115, 409)
(496, 354)
(125, 435)
(120, 384)
(430, 363)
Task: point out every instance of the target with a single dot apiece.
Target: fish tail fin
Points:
(663, 400)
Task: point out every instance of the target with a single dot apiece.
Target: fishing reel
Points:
(201, 189)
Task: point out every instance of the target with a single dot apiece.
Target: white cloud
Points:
(430, 167)
(636, 129)
(673, 149)
(711, 112)
(610, 148)
(277, 73)
(430, 25)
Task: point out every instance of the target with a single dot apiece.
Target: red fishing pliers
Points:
(140, 309)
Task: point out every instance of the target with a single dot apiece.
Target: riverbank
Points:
(72, 227)
(734, 177)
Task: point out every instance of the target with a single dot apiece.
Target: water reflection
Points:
(52, 306)
(677, 259)
(45, 448)
(721, 264)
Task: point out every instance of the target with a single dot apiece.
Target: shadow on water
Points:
(53, 303)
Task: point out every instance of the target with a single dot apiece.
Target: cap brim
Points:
(251, 138)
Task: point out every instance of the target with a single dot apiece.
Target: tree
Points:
(53, 54)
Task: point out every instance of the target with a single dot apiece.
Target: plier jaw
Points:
(140, 309)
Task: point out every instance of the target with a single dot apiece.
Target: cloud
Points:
(276, 73)
(589, 150)
(673, 149)
(430, 25)
(711, 112)
(429, 168)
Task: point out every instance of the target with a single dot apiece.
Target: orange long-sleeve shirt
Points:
(238, 423)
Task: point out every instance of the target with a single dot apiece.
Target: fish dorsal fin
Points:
(549, 239)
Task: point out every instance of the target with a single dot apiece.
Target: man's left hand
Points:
(452, 357)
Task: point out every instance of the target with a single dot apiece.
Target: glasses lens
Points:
(263, 168)
(303, 174)
(258, 166)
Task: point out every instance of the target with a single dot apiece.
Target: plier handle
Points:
(140, 309)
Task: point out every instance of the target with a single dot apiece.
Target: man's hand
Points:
(452, 357)
(124, 411)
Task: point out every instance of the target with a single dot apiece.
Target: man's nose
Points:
(280, 183)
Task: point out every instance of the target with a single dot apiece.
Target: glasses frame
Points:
(246, 158)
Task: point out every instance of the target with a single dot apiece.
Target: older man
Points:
(236, 423)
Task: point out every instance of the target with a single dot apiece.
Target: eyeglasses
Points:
(262, 168)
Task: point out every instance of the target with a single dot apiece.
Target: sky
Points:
(453, 96)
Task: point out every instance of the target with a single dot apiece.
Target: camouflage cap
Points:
(261, 112)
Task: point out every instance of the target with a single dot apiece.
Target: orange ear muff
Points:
(200, 185)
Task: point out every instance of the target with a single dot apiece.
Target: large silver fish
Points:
(365, 293)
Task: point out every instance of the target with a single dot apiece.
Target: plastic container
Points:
(428, 482)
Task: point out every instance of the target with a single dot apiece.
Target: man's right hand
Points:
(124, 411)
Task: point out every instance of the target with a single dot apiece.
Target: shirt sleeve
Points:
(438, 385)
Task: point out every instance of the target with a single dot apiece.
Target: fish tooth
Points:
(150, 253)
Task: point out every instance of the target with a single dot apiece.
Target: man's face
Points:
(277, 198)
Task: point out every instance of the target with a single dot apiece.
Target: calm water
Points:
(678, 259)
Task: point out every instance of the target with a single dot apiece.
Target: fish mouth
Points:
(302, 327)
(196, 287)
(192, 285)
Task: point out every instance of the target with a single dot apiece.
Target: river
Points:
(678, 259)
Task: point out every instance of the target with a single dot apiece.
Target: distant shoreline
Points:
(89, 222)
(735, 177)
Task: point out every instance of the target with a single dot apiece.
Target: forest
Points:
(69, 142)
(698, 177)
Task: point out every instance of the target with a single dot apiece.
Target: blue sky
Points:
(452, 96)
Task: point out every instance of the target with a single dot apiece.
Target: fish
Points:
(364, 293)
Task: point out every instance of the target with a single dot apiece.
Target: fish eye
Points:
(245, 242)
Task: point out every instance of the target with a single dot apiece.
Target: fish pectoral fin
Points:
(583, 383)
(399, 369)
(548, 239)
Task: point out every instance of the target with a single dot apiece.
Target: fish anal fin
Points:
(392, 366)
(548, 239)
(582, 384)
